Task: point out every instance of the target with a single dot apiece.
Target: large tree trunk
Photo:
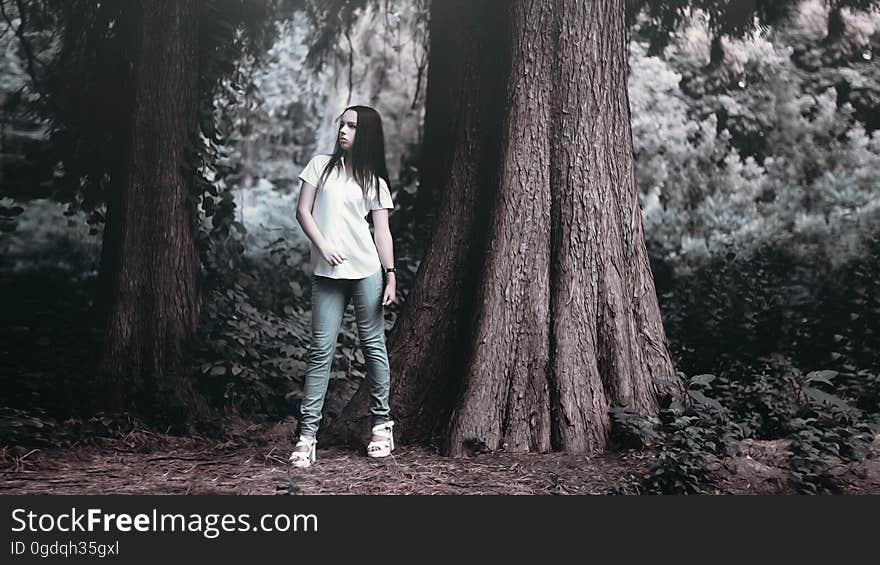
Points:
(430, 340)
(155, 301)
(607, 338)
(523, 342)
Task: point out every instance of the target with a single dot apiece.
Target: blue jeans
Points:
(329, 298)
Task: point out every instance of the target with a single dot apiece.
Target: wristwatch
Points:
(387, 270)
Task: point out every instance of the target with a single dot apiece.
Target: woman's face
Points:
(347, 127)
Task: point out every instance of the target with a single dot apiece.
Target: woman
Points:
(338, 191)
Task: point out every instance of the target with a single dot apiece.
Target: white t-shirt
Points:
(340, 210)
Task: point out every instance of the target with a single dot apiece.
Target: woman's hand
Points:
(333, 256)
(390, 295)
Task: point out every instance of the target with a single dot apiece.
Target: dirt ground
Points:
(255, 462)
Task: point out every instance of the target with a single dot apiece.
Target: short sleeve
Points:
(311, 174)
(384, 200)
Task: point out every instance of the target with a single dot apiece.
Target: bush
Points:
(736, 310)
(695, 434)
(702, 422)
(782, 153)
(827, 430)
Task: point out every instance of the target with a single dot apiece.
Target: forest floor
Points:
(254, 461)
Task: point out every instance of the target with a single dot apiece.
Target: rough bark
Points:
(505, 399)
(155, 300)
(607, 336)
(431, 338)
(524, 342)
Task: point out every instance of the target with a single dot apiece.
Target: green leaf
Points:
(824, 398)
(701, 398)
(821, 376)
(702, 379)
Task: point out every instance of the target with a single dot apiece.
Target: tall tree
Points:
(180, 54)
(155, 299)
(130, 93)
(534, 310)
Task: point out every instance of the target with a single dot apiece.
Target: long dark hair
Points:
(367, 152)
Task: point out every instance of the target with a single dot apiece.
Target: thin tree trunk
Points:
(110, 252)
(155, 300)
(448, 38)
(836, 25)
(716, 53)
(115, 78)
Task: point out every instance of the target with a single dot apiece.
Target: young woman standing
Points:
(338, 191)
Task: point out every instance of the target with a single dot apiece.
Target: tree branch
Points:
(350, 64)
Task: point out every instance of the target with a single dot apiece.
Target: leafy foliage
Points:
(78, 57)
(737, 310)
(784, 154)
(694, 433)
(827, 426)
(702, 423)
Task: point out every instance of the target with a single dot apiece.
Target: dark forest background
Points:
(757, 158)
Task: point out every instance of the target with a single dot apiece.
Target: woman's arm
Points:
(385, 247)
(310, 227)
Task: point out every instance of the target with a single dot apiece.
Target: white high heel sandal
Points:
(384, 446)
(304, 458)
